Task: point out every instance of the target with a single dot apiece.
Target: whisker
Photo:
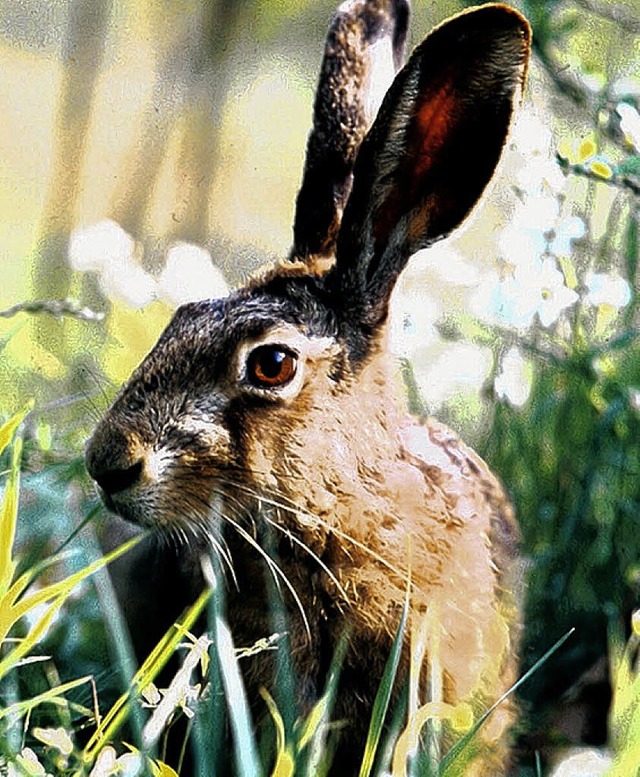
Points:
(311, 553)
(199, 527)
(275, 570)
(225, 557)
(294, 509)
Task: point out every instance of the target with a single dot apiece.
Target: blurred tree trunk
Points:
(207, 90)
(192, 80)
(130, 201)
(82, 51)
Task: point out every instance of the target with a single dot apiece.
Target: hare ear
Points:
(431, 151)
(363, 52)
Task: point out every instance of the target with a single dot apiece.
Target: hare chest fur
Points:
(270, 425)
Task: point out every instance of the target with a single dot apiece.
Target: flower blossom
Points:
(513, 382)
(113, 254)
(515, 301)
(607, 289)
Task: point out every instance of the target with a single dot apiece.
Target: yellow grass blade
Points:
(56, 593)
(160, 769)
(53, 695)
(315, 719)
(61, 588)
(145, 675)
(31, 640)
(460, 716)
(9, 517)
(285, 763)
(8, 429)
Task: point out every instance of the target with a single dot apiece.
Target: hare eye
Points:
(270, 366)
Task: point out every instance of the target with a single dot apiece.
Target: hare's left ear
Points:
(363, 51)
(431, 151)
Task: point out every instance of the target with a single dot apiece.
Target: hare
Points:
(270, 424)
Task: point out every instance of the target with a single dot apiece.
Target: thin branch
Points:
(595, 103)
(617, 180)
(56, 308)
(618, 14)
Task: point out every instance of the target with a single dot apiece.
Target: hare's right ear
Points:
(430, 153)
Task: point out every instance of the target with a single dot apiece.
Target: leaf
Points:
(161, 769)
(383, 695)
(9, 518)
(53, 695)
(245, 749)
(629, 166)
(36, 633)
(8, 429)
(631, 250)
(285, 763)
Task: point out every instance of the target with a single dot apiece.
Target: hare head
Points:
(280, 406)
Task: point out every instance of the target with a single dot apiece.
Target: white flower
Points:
(541, 177)
(413, 319)
(568, 230)
(513, 383)
(587, 761)
(447, 263)
(105, 764)
(606, 289)
(189, 275)
(130, 765)
(27, 763)
(461, 368)
(520, 243)
(91, 248)
(128, 282)
(629, 122)
(537, 174)
(107, 249)
(531, 136)
(537, 289)
(57, 738)
(547, 287)
(108, 765)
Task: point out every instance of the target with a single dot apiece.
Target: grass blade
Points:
(143, 677)
(454, 752)
(8, 429)
(244, 744)
(383, 696)
(9, 515)
(285, 762)
(52, 695)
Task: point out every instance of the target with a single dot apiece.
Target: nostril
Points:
(113, 480)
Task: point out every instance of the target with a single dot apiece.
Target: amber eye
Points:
(271, 365)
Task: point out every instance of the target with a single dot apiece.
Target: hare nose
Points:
(113, 459)
(111, 481)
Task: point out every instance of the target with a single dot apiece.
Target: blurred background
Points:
(150, 154)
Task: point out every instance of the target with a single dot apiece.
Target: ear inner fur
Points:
(432, 149)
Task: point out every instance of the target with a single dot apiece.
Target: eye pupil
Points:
(271, 365)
